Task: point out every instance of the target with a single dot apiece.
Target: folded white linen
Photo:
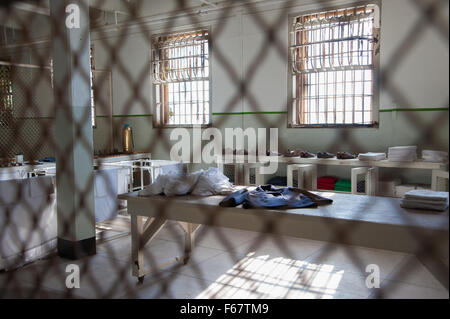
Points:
(372, 156)
(434, 156)
(421, 194)
(427, 202)
(425, 206)
(402, 148)
(402, 153)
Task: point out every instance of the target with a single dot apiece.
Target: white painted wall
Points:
(421, 76)
(422, 73)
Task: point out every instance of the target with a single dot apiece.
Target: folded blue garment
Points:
(271, 197)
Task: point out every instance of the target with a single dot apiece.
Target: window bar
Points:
(360, 33)
(353, 95)
(319, 60)
(335, 95)
(203, 89)
(303, 94)
(363, 81)
(300, 65)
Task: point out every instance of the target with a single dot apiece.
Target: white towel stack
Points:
(425, 199)
(372, 156)
(434, 156)
(402, 153)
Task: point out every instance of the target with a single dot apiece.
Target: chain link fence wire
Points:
(28, 127)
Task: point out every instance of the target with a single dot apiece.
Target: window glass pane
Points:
(333, 56)
(185, 60)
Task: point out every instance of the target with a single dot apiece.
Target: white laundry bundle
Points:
(425, 199)
(201, 183)
(372, 156)
(402, 153)
(212, 182)
(434, 156)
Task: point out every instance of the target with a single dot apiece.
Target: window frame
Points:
(158, 118)
(291, 111)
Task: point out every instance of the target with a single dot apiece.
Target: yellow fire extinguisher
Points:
(128, 141)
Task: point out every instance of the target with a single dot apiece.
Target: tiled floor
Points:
(228, 264)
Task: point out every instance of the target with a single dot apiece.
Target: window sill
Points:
(347, 126)
(172, 126)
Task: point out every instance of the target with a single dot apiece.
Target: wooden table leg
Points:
(189, 239)
(140, 236)
(137, 256)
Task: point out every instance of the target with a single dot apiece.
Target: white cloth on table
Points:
(434, 156)
(201, 183)
(427, 205)
(402, 153)
(425, 199)
(212, 182)
(372, 156)
(421, 194)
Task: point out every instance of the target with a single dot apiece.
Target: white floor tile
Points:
(412, 271)
(355, 259)
(397, 290)
(178, 287)
(255, 268)
(280, 246)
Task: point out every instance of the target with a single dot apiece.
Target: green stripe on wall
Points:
(131, 115)
(431, 109)
(248, 113)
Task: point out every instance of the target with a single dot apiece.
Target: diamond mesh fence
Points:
(61, 172)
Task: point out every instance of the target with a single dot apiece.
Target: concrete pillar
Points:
(73, 128)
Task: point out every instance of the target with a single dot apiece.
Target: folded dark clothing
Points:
(234, 199)
(327, 179)
(328, 188)
(271, 197)
(344, 183)
(326, 184)
(342, 189)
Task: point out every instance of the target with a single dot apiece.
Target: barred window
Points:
(333, 61)
(180, 75)
(6, 95)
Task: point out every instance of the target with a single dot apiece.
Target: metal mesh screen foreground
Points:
(107, 275)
